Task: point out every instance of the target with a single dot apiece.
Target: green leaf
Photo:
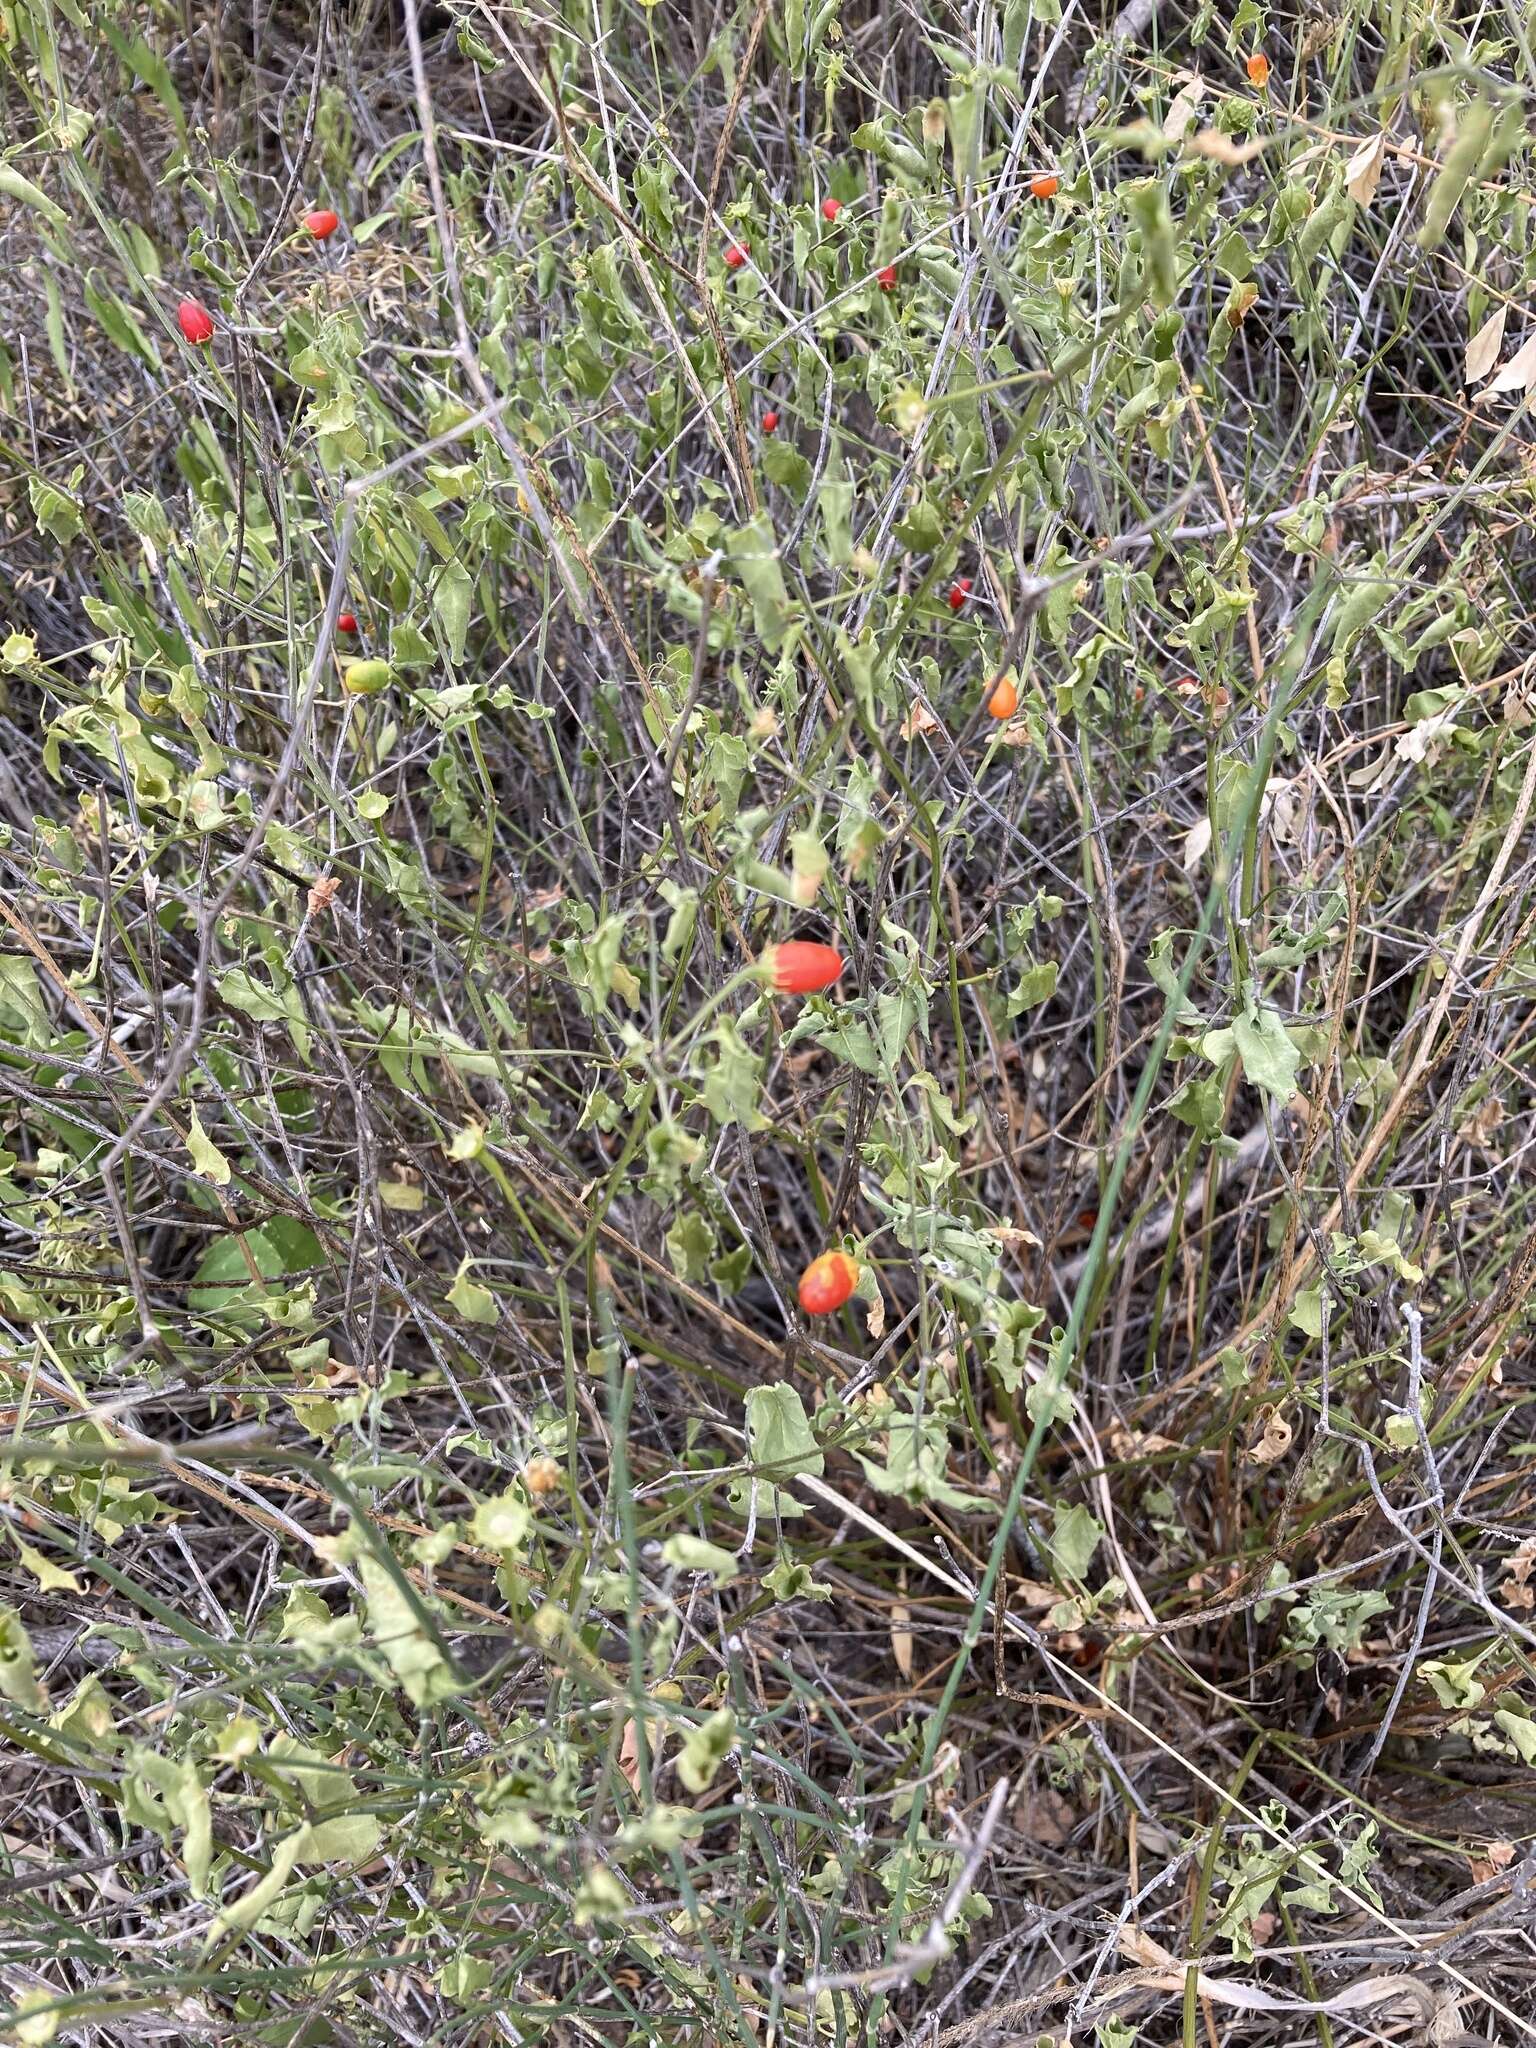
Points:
(280, 1004)
(1148, 199)
(18, 1665)
(281, 1246)
(119, 322)
(599, 1896)
(1306, 1313)
(691, 1245)
(1162, 970)
(917, 1462)
(1200, 1104)
(1520, 1729)
(14, 186)
(1037, 984)
(464, 1978)
(788, 1579)
(730, 1082)
(779, 1437)
(692, 1554)
(451, 601)
(324, 1787)
(895, 1015)
(36, 2017)
(834, 504)
(849, 1040)
(168, 1795)
(476, 1304)
(55, 511)
(252, 1905)
(206, 1156)
(784, 465)
(396, 1629)
(1073, 1540)
(50, 1577)
(705, 1748)
(1456, 1684)
(244, 993)
(755, 558)
(1269, 1058)
(21, 1000)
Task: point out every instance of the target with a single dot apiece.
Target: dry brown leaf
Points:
(629, 1755)
(1482, 1128)
(1483, 348)
(1043, 1816)
(1517, 1592)
(1013, 1233)
(1197, 841)
(1496, 1856)
(1363, 172)
(322, 893)
(1520, 369)
(874, 1316)
(918, 719)
(1130, 1444)
(1015, 733)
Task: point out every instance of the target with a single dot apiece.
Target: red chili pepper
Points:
(959, 591)
(195, 322)
(799, 968)
(736, 255)
(886, 279)
(831, 208)
(346, 622)
(827, 1283)
(1044, 187)
(770, 422)
(322, 223)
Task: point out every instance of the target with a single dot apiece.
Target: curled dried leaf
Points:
(1273, 1437)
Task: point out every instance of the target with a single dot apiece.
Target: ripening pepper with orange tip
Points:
(827, 1283)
